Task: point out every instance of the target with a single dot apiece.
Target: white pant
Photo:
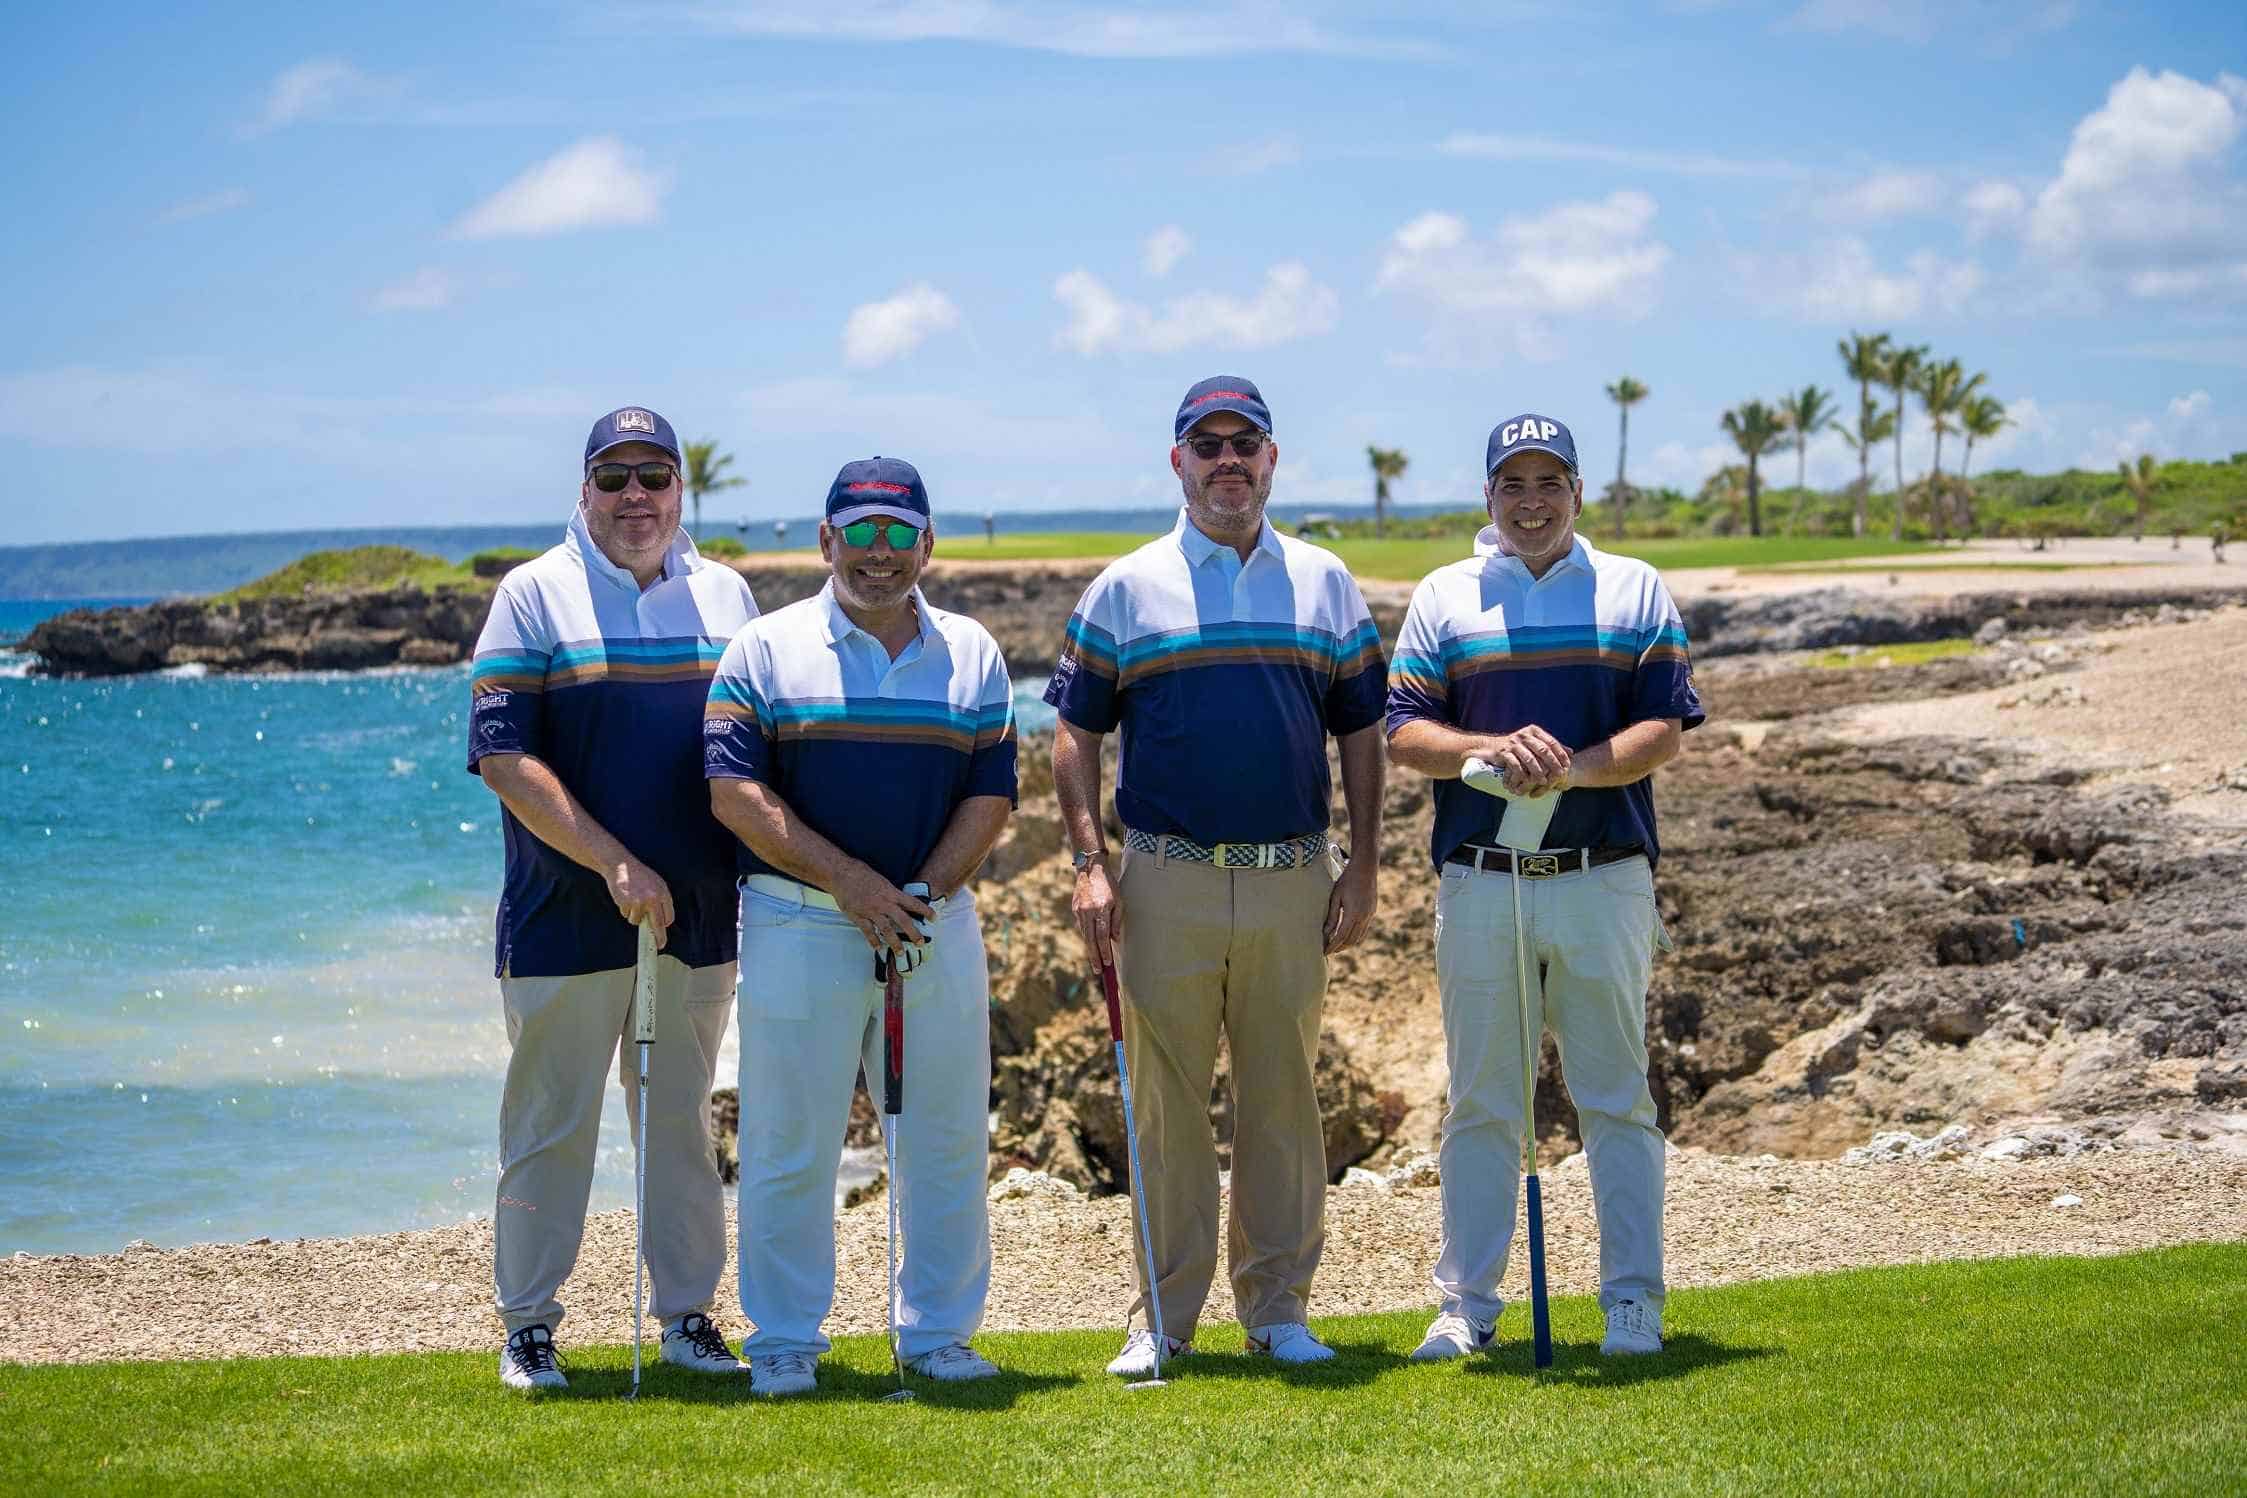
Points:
(810, 1015)
(1590, 941)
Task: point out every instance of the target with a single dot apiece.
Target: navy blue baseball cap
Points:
(1529, 434)
(876, 486)
(632, 424)
(1223, 393)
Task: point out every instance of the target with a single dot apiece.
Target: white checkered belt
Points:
(1295, 853)
(1539, 865)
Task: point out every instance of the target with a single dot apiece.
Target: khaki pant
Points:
(563, 1032)
(1242, 952)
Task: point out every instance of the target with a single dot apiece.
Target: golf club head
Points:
(1149, 1383)
(899, 1396)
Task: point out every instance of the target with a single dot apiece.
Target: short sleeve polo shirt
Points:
(1226, 676)
(874, 754)
(604, 683)
(1583, 652)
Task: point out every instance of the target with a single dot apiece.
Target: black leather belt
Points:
(1540, 865)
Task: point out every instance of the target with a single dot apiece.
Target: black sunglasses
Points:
(610, 478)
(1245, 444)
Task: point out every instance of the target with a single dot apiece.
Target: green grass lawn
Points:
(2124, 1375)
(1914, 653)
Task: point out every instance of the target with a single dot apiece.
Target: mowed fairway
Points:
(2121, 1375)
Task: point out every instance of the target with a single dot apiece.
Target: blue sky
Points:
(302, 266)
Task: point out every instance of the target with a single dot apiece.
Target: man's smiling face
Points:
(1534, 501)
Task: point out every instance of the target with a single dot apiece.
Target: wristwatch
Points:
(1080, 859)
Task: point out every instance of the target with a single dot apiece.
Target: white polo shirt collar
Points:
(838, 626)
(1199, 547)
(1489, 544)
(679, 559)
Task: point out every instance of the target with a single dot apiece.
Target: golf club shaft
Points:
(643, 1036)
(1109, 993)
(1540, 1313)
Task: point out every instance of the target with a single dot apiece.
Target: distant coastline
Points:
(182, 566)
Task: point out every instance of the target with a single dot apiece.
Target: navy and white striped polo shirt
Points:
(604, 683)
(1583, 652)
(1226, 676)
(874, 754)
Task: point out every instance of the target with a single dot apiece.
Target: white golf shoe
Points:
(782, 1374)
(527, 1362)
(1137, 1360)
(692, 1341)
(1288, 1342)
(1632, 1329)
(956, 1364)
(1452, 1336)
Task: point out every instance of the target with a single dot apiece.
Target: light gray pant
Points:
(811, 1020)
(1591, 937)
(563, 1033)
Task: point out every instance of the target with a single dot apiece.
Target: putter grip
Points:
(1540, 1313)
(643, 988)
(1115, 1008)
(893, 1041)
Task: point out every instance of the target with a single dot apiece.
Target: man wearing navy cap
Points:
(1227, 654)
(861, 745)
(1565, 667)
(587, 724)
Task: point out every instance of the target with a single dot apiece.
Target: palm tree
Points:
(2138, 478)
(1944, 390)
(1983, 416)
(1866, 359)
(1755, 429)
(1626, 393)
(704, 465)
(1804, 413)
(1899, 374)
(1388, 463)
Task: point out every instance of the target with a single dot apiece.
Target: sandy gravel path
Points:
(1062, 1261)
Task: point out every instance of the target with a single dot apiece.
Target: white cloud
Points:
(204, 207)
(891, 328)
(1885, 195)
(597, 183)
(1262, 156)
(1591, 256)
(1077, 30)
(310, 90)
(1164, 249)
(1680, 163)
(2186, 424)
(1994, 207)
(426, 290)
(1290, 304)
(1841, 281)
(2145, 188)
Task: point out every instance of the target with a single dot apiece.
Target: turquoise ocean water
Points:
(245, 958)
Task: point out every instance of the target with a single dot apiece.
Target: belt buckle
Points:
(1537, 865)
(1217, 854)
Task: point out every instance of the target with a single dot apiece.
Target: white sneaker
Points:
(1137, 1360)
(783, 1373)
(1288, 1342)
(955, 1364)
(1632, 1329)
(1452, 1336)
(693, 1342)
(527, 1362)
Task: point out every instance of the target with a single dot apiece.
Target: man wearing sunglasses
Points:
(586, 722)
(1227, 654)
(861, 745)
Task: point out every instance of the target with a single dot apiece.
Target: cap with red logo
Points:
(876, 486)
(1223, 393)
